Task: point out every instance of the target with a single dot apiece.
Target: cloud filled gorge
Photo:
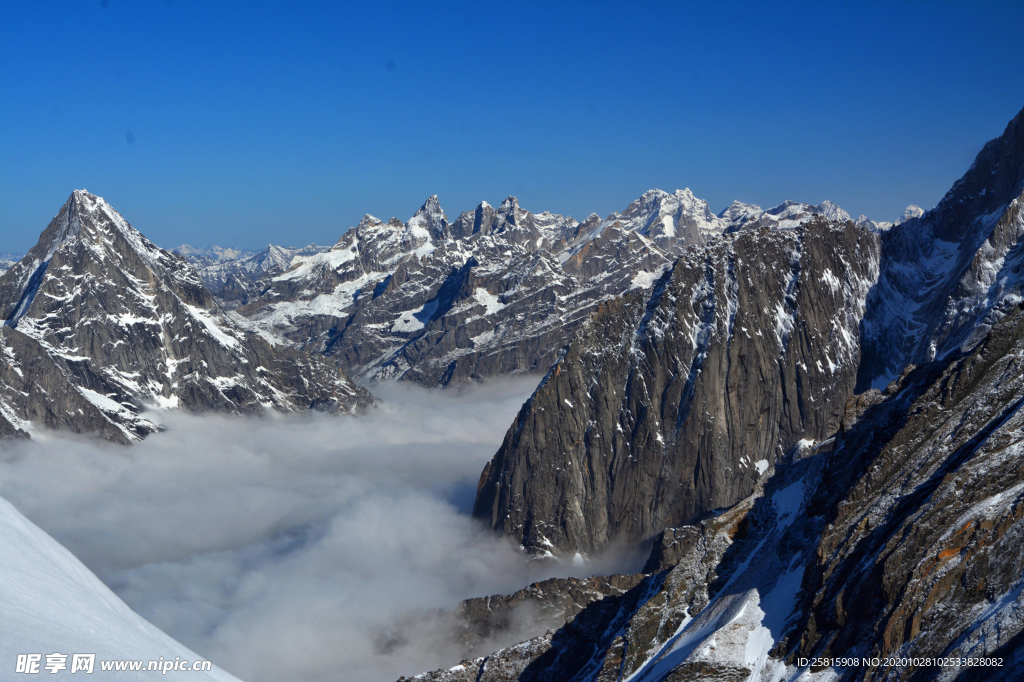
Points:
(290, 548)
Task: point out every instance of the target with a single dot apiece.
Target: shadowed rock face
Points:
(664, 409)
(125, 324)
(948, 275)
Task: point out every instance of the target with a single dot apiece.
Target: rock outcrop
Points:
(891, 545)
(887, 549)
(947, 275)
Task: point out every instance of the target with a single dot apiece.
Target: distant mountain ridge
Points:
(8, 259)
(234, 274)
(498, 290)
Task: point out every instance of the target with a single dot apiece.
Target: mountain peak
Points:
(909, 213)
(430, 216)
(367, 222)
(430, 207)
(831, 211)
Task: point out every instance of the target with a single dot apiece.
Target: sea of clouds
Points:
(295, 548)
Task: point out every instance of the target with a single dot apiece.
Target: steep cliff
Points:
(662, 410)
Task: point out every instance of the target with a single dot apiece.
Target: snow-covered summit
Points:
(831, 211)
(909, 213)
(785, 216)
(738, 213)
(211, 254)
(673, 220)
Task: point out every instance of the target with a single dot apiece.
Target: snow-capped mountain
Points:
(210, 254)
(8, 259)
(911, 212)
(97, 311)
(496, 291)
(232, 275)
(672, 221)
(51, 602)
(787, 215)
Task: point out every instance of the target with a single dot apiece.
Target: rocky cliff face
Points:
(127, 325)
(673, 403)
(897, 538)
(898, 534)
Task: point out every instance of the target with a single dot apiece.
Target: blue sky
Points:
(247, 123)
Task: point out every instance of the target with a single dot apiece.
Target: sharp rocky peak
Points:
(110, 322)
(368, 222)
(85, 211)
(431, 216)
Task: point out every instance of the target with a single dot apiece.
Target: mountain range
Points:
(813, 421)
(496, 291)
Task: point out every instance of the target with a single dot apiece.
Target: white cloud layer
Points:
(284, 549)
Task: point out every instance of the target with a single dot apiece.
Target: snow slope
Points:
(52, 603)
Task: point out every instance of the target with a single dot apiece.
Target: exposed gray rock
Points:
(549, 605)
(898, 538)
(39, 389)
(130, 325)
(436, 302)
(668, 406)
(899, 535)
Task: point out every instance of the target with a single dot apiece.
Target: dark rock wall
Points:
(661, 412)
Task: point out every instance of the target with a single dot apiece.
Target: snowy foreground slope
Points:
(51, 603)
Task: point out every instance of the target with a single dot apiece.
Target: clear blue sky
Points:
(246, 123)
